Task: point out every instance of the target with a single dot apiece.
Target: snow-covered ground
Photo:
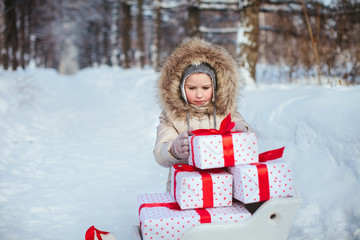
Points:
(75, 151)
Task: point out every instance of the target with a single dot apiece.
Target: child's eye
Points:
(206, 88)
(191, 88)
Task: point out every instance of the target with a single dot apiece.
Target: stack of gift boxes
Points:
(225, 172)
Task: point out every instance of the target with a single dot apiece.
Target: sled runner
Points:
(271, 220)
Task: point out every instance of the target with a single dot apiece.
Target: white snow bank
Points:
(319, 127)
(75, 151)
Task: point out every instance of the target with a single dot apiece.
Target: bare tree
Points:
(313, 42)
(126, 30)
(23, 36)
(11, 36)
(97, 31)
(248, 37)
(106, 31)
(155, 49)
(140, 34)
(193, 21)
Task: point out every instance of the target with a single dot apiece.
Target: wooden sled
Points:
(271, 220)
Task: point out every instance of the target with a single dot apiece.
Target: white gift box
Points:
(249, 186)
(199, 188)
(207, 151)
(161, 222)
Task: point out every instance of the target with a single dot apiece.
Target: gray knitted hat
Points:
(200, 68)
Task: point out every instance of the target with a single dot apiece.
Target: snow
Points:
(76, 150)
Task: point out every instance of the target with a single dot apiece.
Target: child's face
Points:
(198, 89)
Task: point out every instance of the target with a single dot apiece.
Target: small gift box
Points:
(161, 217)
(195, 188)
(211, 148)
(262, 181)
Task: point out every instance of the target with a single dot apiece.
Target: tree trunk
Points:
(23, 37)
(126, 30)
(193, 22)
(106, 54)
(248, 39)
(97, 43)
(157, 36)
(115, 33)
(31, 23)
(11, 35)
(106, 33)
(2, 44)
(140, 34)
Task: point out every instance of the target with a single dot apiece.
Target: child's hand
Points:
(240, 127)
(180, 146)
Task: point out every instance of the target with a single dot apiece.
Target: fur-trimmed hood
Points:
(192, 52)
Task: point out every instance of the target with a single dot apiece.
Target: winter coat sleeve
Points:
(166, 133)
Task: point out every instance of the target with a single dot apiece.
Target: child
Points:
(198, 87)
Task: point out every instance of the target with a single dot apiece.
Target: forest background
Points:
(272, 40)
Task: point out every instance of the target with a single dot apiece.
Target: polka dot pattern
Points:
(189, 189)
(208, 150)
(246, 184)
(164, 223)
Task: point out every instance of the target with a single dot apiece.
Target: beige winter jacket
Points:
(173, 119)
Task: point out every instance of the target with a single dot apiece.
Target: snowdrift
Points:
(75, 151)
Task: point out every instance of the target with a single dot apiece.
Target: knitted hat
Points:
(199, 68)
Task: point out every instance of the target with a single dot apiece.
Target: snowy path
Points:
(69, 153)
(75, 151)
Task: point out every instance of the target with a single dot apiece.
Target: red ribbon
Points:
(225, 131)
(207, 184)
(90, 233)
(171, 205)
(271, 155)
(205, 216)
(263, 176)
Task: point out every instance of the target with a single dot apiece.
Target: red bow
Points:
(90, 233)
(225, 128)
(271, 155)
(225, 131)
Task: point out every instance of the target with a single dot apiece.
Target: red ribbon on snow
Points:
(205, 216)
(90, 233)
(263, 175)
(225, 132)
(207, 183)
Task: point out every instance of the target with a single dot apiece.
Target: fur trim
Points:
(195, 51)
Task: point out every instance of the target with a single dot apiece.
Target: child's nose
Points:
(198, 94)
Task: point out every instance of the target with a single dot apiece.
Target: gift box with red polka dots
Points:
(210, 151)
(199, 188)
(262, 181)
(161, 221)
